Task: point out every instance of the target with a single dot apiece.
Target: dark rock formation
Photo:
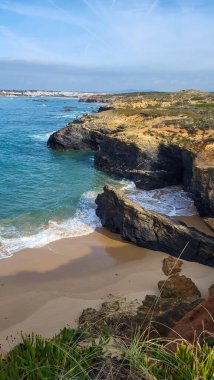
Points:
(197, 325)
(150, 168)
(73, 137)
(202, 188)
(177, 286)
(152, 230)
(161, 314)
(149, 164)
(171, 265)
(156, 315)
(105, 108)
(178, 295)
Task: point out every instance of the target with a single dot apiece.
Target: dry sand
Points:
(45, 289)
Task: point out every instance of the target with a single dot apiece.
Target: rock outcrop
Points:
(197, 326)
(177, 286)
(154, 140)
(157, 315)
(178, 295)
(161, 314)
(117, 314)
(171, 265)
(152, 230)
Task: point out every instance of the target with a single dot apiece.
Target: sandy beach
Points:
(44, 289)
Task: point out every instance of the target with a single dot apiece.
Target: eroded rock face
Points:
(74, 137)
(152, 230)
(178, 295)
(149, 165)
(202, 188)
(171, 265)
(161, 314)
(177, 286)
(152, 147)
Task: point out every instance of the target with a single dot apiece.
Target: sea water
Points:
(46, 195)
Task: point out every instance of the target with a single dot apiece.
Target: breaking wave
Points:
(172, 201)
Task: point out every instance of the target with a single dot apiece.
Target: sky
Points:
(107, 45)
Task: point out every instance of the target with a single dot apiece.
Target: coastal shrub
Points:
(74, 355)
(63, 357)
(156, 361)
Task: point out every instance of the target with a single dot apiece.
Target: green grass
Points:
(74, 355)
(157, 360)
(60, 358)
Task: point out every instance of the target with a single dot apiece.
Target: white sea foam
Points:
(72, 115)
(171, 201)
(41, 136)
(83, 222)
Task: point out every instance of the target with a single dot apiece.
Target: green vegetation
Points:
(206, 105)
(60, 358)
(74, 355)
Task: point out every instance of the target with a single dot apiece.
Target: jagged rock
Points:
(177, 286)
(147, 163)
(156, 315)
(197, 325)
(171, 265)
(161, 314)
(211, 291)
(152, 230)
(74, 137)
(116, 314)
(178, 295)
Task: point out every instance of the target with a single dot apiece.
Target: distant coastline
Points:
(38, 93)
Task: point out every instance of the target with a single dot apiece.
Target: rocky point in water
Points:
(154, 139)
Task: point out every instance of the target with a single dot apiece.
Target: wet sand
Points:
(45, 289)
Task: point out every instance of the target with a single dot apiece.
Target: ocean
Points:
(47, 195)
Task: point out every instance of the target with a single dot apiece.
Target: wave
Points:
(172, 201)
(67, 116)
(83, 222)
(41, 136)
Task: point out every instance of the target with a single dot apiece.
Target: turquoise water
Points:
(46, 195)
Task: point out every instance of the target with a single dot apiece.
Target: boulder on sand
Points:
(171, 265)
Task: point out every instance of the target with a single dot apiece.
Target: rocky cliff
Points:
(152, 230)
(154, 140)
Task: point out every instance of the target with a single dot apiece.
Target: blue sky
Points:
(107, 45)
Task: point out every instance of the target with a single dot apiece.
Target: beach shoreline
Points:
(44, 289)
